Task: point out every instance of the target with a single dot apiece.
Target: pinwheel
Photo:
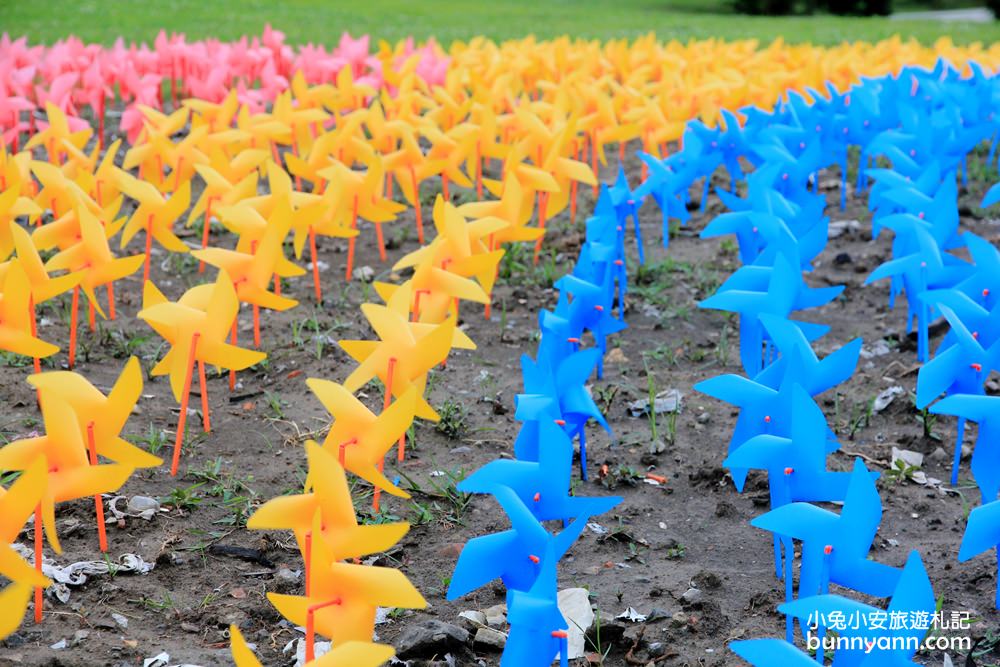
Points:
(361, 193)
(669, 189)
(195, 327)
(17, 321)
(961, 367)
(410, 167)
(359, 438)
(512, 555)
(155, 214)
(42, 287)
(343, 599)
(356, 654)
(251, 272)
(911, 597)
(778, 290)
(554, 388)
(13, 205)
(60, 193)
(796, 469)
(59, 129)
(91, 259)
(625, 203)
(542, 484)
(450, 149)
(69, 475)
(984, 411)
(220, 191)
(327, 495)
(589, 309)
(537, 627)
(835, 547)
(100, 419)
(399, 358)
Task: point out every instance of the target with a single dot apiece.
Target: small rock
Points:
(886, 397)
(284, 574)
(451, 550)
(841, 259)
(429, 638)
(59, 645)
(938, 455)
(691, 596)
(143, 506)
(679, 619)
(615, 356)
(490, 638)
(464, 449)
(364, 273)
(840, 227)
(120, 620)
(473, 619)
(190, 627)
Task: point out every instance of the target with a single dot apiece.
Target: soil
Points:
(661, 540)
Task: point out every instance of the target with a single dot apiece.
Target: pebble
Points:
(679, 619)
(692, 596)
(937, 455)
(431, 637)
(490, 638)
(284, 574)
(473, 619)
(190, 627)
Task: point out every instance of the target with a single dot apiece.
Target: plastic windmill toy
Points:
(91, 259)
(196, 327)
(100, 420)
(70, 473)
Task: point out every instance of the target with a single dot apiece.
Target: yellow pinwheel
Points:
(401, 358)
(359, 439)
(17, 323)
(155, 215)
(196, 330)
(91, 259)
(348, 654)
(328, 494)
(252, 272)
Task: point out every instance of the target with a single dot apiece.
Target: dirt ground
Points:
(659, 542)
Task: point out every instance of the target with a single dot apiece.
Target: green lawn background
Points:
(319, 21)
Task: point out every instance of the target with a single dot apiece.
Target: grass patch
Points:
(322, 21)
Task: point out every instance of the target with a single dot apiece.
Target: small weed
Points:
(453, 420)
(154, 440)
(184, 499)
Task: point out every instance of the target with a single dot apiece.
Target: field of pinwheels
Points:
(493, 354)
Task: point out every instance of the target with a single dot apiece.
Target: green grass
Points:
(322, 21)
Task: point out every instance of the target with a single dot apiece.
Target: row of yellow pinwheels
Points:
(415, 329)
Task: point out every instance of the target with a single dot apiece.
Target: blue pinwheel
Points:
(778, 289)
(796, 470)
(626, 203)
(537, 627)
(559, 387)
(669, 189)
(961, 368)
(835, 547)
(872, 640)
(512, 555)
(984, 410)
(925, 268)
(771, 653)
(982, 533)
(587, 306)
(543, 484)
